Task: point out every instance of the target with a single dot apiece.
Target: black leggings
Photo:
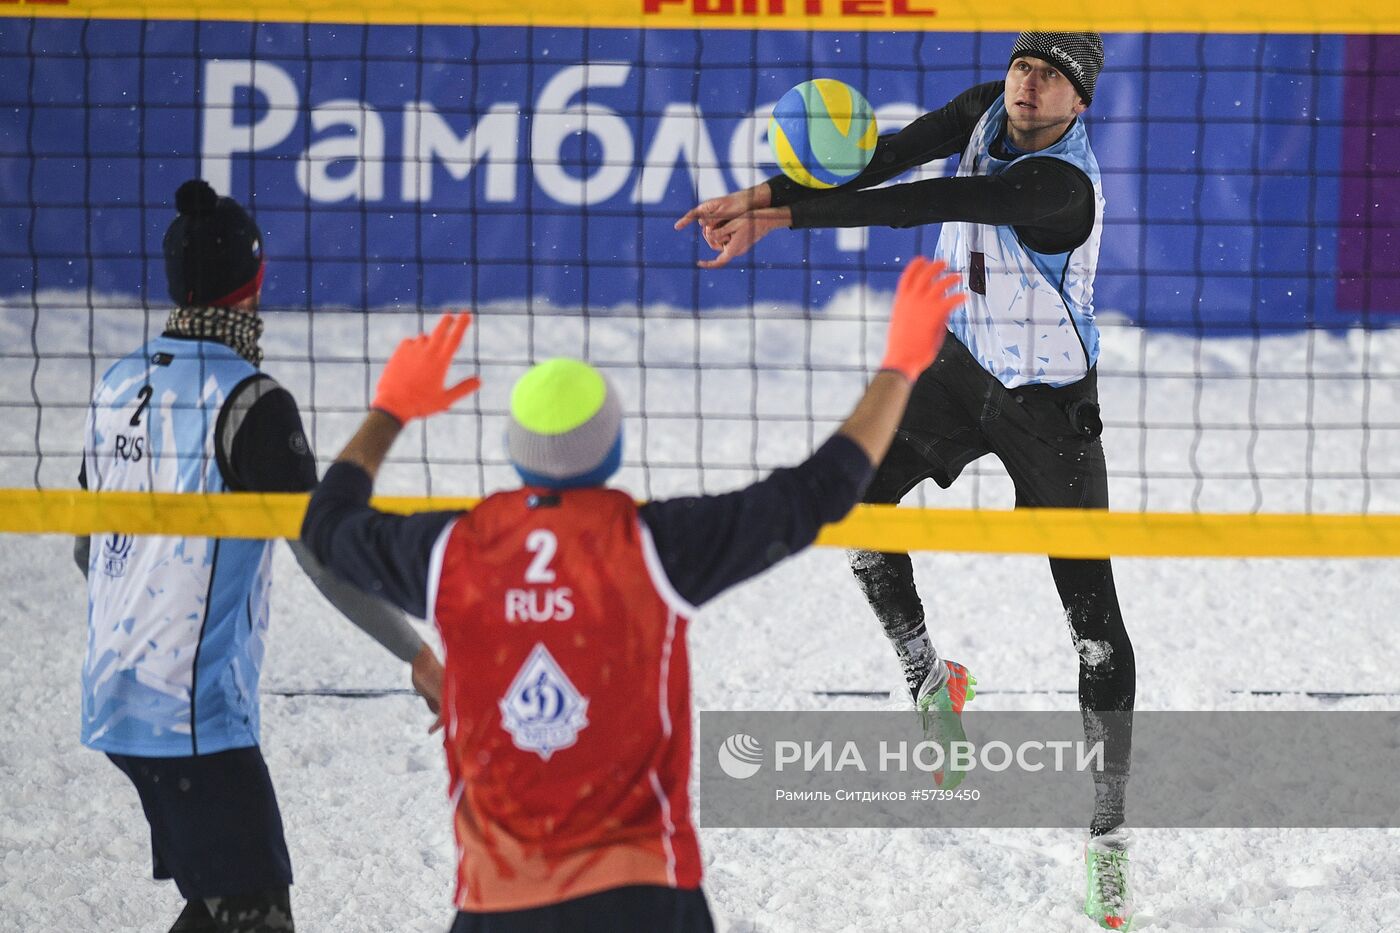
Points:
(958, 413)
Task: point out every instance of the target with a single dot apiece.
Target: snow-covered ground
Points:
(362, 786)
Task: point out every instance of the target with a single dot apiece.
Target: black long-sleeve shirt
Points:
(706, 544)
(1049, 201)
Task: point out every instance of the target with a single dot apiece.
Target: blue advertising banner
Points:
(445, 165)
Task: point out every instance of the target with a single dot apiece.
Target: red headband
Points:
(247, 290)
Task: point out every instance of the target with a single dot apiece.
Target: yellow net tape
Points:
(1057, 532)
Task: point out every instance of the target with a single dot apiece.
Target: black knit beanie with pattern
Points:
(1078, 56)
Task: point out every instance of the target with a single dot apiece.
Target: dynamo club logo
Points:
(115, 552)
(542, 710)
(741, 756)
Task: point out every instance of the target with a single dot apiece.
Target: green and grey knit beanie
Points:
(565, 426)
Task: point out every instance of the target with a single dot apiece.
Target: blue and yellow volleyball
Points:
(822, 133)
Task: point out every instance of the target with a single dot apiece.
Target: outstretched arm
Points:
(385, 554)
(380, 621)
(1049, 201)
(707, 544)
(388, 555)
(1047, 197)
(732, 224)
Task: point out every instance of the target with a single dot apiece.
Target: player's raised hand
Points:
(413, 382)
(926, 295)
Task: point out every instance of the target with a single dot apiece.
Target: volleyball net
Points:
(528, 160)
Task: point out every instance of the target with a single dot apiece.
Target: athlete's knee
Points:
(1104, 649)
(1099, 636)
(1095, 653)
(1090, 600)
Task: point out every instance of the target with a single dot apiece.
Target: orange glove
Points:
(412, 383)
(919, 320)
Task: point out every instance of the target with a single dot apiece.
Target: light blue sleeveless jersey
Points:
(1029, 317)
(176, 626)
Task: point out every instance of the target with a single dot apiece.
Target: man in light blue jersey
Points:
(176, 625)
(1021, 220)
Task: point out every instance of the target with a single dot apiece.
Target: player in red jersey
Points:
(563, 606)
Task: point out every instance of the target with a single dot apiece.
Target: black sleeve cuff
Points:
(847, 457)
(811, 216)
(346, 481)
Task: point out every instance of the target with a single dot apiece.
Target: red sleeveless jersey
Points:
(567, 697)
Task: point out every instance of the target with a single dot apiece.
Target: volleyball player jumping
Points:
(1021, 221)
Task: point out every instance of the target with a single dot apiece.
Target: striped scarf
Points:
(238, 330)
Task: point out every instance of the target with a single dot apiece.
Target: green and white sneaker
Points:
(1108, 901)
(940, 708)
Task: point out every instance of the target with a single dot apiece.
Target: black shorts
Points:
(215, 826)
(1047, 438)
(638, 908)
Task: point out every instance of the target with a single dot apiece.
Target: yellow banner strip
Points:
(1057, 532)
(1189, 16)
(1077, 533)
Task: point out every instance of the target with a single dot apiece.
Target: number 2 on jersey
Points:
(543, 544)
(145, 396)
